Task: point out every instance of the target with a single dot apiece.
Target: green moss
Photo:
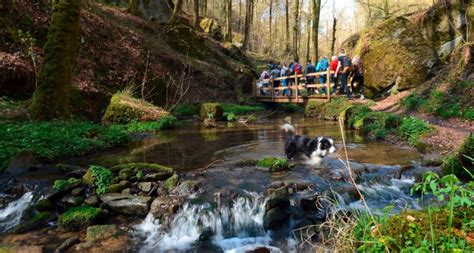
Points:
(77, 218)
(124, 109)
(165, 122)
(61, 185)
(99, 177)
(241, 109)
(353, 113)
(115, 188)
(44, 205)
(212, 111)
(290, 108)
(54, 140)
(274, 164)
(390, 46)
(100, 232)
(142, 166)
(327, 110)
(51, 98)
(37, 221)
(171, 182)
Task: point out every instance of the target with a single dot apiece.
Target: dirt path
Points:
(450, 133)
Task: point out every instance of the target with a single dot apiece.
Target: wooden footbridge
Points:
(297, 89)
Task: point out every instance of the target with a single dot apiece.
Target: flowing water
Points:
(209, 157)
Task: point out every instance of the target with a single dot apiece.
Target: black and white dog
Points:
(314, 149)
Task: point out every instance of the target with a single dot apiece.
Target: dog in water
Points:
(313, 148)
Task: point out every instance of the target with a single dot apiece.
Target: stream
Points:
(210, 159)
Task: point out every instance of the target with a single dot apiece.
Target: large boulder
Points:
(124, 109)
(127, 204)
(211, 111)
(398, 55)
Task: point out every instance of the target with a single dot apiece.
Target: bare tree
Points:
(176, 10)
(316, 13)
(196, 14)
(229, 20)
(296, 28)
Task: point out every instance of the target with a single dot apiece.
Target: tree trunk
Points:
(229, 21)
(287, 27)
(316, 13)
(134, 7)
(196, 14)
(296, 28)
(51, 98)
(248, 20)
(176, 10)
(270, 22)
(333, 40)
(239, 25)
(204, 7)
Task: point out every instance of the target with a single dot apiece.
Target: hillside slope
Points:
(118, 51)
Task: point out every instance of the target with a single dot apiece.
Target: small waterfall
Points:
(394, 193)
(234, 227)
(11, 215)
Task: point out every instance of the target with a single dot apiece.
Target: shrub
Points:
(413, 101)
(100, 177)
(462, 163)
(77, 218)
(61, 185)
(54, 140)
(411, 130)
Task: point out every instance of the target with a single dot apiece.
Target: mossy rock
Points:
(124, 109)
(101, 232)
(63, 185)
(313, 109)
(147, 171)
(44, 205)
(395, 46)
(39, 220)
(353, 112)
(212, 111)
(125, 173)
(77, 218)
(274, 164)
(171, 182)
(115, 188)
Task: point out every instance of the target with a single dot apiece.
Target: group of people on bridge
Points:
(343, 70)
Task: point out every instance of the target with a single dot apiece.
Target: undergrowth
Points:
(165, 122)
(451, 104)
(54, 140)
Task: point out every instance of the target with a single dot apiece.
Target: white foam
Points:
(11, 215)
(234, 227)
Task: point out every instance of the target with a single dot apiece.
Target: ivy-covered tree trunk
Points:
(316, 11)
(51, 98)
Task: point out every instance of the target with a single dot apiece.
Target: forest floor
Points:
(450, 133)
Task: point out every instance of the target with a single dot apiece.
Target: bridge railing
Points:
(295, 83)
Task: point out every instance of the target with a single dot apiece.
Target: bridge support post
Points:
(273, 88)
(297, 85)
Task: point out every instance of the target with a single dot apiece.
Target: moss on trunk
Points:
(51, 98)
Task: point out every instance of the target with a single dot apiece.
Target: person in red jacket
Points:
(333, 67)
